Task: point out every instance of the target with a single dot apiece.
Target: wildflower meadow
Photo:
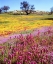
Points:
(26, 39)
(26, 32)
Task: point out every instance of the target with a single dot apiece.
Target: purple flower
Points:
(18, 62)
(9, 61)
(20, 58)
(10, 56)
(33, 62)
(5, 59)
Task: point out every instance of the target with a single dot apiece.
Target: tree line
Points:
(25, 6)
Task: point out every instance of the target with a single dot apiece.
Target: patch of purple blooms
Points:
(29, 49)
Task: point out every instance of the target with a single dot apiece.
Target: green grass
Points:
(44, 15)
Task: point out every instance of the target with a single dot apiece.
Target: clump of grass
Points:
(4, 22)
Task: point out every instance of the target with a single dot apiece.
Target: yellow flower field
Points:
(15, 24)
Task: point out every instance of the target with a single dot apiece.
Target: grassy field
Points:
(10, 24)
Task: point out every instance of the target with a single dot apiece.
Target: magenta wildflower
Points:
(5, 59)
(33, 62)
(9, 61)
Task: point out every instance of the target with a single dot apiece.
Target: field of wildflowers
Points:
(28, 49)
(10, 24)
(33, 48)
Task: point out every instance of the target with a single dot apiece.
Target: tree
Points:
(0, 10)
(51, 10)
(5, 8)
(25, 6)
